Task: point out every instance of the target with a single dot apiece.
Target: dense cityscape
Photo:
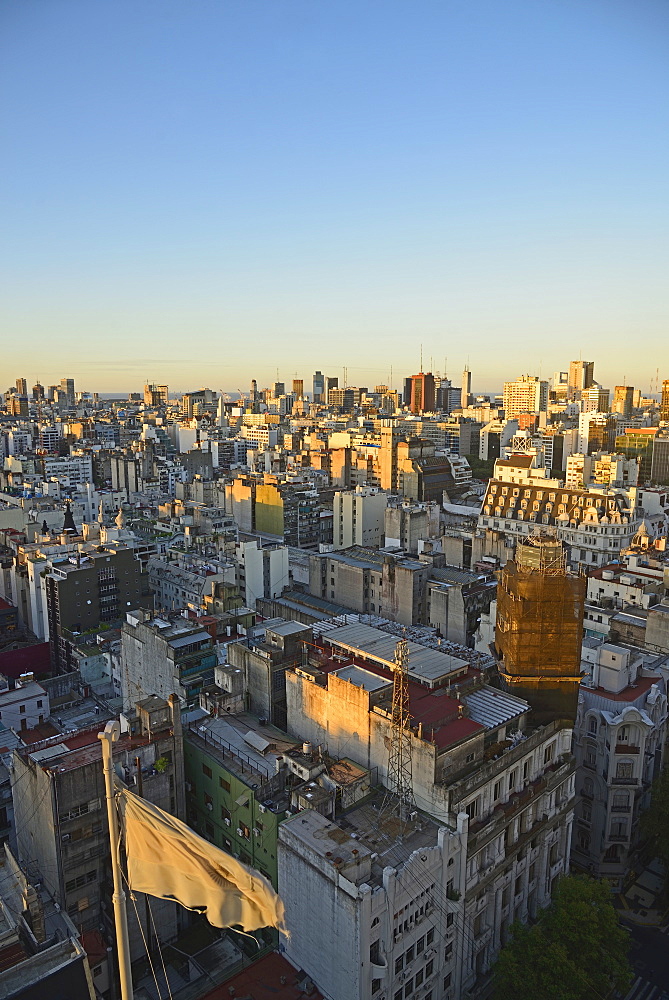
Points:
(403, 652)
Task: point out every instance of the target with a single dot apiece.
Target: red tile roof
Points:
(642, 685)
(263, 981)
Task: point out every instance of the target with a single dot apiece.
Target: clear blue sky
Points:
(201, 191)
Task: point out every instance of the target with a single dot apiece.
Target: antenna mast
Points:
(399, 798)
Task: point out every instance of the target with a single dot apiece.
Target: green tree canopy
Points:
(576, 951)
(655, 821)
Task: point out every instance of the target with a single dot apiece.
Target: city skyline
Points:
(222, 182)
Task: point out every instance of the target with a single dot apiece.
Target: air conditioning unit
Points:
(240, 832)
(256, 831)
(210, 806)
(263, 809)
(226, 820)
(65, 838)
(189, 787)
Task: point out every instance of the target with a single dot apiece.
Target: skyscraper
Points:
(581, 375)
(21, 387)
(623, 400)
(298, 387)
(67, 389)
(422, 392)
(664, 405)
(466, 388)
(318, 384)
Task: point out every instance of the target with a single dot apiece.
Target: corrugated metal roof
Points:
(493, 708)
(426, 665)
(187, 640)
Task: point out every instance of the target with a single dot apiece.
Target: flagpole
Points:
(111, 733)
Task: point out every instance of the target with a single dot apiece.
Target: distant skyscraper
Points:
(298, 387)
(330, 383)
(279, 389)
(319, 387)
(581, 375)
(422, 392)
(21, 387)
(38, 391)
(623, 400)
(466, 388)
(664, 405)
(253, 392)
(67, 390)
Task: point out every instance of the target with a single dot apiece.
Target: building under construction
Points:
(540, 627)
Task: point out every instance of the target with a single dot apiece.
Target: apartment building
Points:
(619, 738)
(495, 827)
(359, 517)
(61, 816)
(163, 656)
(527, 394)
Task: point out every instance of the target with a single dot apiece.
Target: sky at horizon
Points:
(199, 194)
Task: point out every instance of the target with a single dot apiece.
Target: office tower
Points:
(466, 388)
(539, 627)
(664, 404)
(38, 391)
(406, 392)
(528, 394)
(595, 399)
(67, 390)
(253, 391)
(21, 387)
(623, 400)
(422, 393)
(298, 387)
(330, 383)
(318, 384)
(278, 389)
(581, 375)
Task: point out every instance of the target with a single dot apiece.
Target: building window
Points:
(548, 753)
(225, 785)
(399, 964)
(429, 937)
(206, 771)
(22, 709)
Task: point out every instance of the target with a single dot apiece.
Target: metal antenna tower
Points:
(399, 798)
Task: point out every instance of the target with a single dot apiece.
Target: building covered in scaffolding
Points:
(539, 627)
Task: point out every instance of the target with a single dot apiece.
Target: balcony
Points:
(618, 838)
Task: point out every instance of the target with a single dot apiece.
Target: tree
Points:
(576, 951)
(655, 821)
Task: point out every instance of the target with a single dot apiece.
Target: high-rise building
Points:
(155, 395)
(466, 388)
(38, 391)
(21, 387)
(318, 383)
(581, 375)
(539, 627)
(527, 394)
(253, 391)
(595, 399)
(664, 404)
(298, 388)
(278, 389)
(67, 390)
(422, 393)
(623, 400)
(330, 384)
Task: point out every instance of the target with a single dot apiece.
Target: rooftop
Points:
(428, 666)
(236, 740)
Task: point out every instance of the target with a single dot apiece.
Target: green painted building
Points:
(638, 442)
(234, 796)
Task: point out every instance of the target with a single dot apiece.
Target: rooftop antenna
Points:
(399, 798)
(421, 357)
